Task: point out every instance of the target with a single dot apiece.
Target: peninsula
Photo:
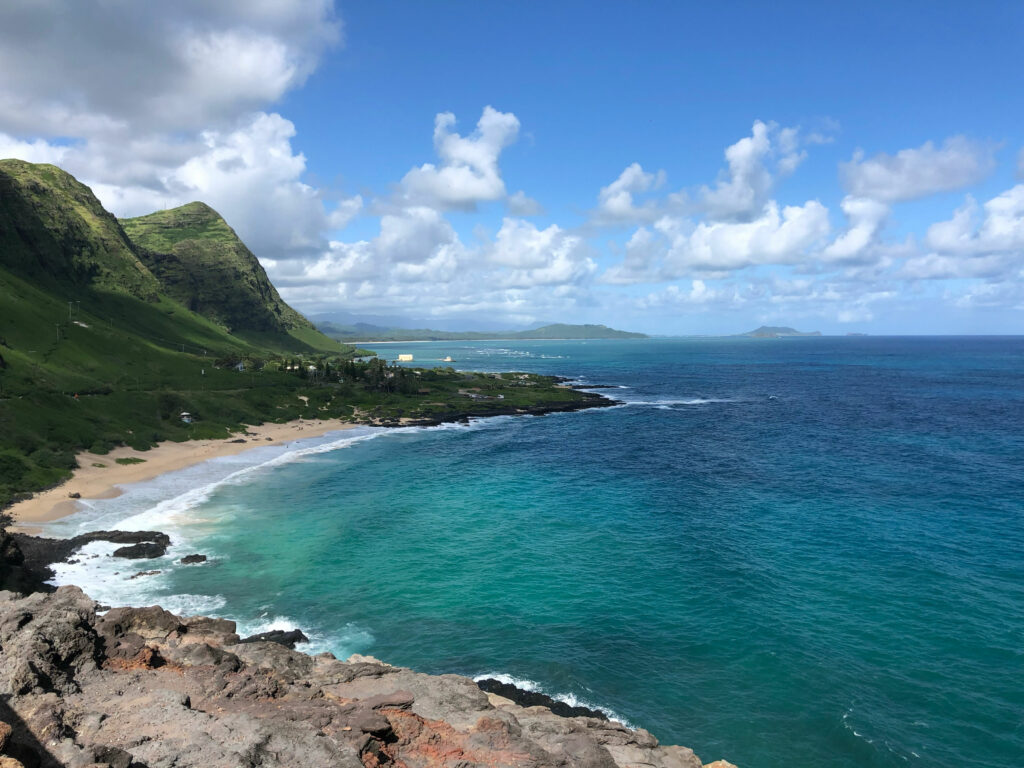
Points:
(165, 328)
(366, 332)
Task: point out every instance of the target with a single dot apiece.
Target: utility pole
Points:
(58, 331)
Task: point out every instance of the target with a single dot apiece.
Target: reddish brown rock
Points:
(141, 686)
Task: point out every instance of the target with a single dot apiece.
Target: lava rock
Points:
(286, 638)
(534, 699)
(192, 559)
(144, 550)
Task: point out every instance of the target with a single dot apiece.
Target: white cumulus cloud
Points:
(918, 172)
(469, 172)
(866, 218)
(616, 202)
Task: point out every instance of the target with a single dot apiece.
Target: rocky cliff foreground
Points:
(140, 687)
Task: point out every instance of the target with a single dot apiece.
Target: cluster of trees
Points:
(375, 375)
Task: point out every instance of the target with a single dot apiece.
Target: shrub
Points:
(12, 469)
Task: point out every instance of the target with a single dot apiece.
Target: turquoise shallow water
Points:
(781, 552)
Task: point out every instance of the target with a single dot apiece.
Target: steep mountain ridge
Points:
(54, 231)
(201, 262)
(94, 353)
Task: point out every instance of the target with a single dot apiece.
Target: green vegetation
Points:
(54, 230)
(94, 353)
(367, 332)
(201, 263)
(128, 460)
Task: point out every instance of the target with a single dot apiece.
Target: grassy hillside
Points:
(366, 332)
(201, 263)
(54, 231)
(94, 353)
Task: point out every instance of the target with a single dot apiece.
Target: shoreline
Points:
(90, 481)
(102, 482)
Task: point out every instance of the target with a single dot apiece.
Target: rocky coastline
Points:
(86, 686)
(143, 688)
(468, 411)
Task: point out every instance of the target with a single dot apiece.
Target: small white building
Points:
(405, 358)
(186, 417)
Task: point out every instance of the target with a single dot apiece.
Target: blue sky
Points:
(874, 181)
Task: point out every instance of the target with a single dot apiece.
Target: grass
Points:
(202, 263)
(129, 460)
(93, 356)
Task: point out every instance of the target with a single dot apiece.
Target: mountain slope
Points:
(201, 262)
(54, 230)
(93, 353)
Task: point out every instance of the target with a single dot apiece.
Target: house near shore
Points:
(405, 358)
(185, 417)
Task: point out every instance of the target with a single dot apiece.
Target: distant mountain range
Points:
(364, 332)
(777, 331)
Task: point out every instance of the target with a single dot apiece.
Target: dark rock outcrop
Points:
(192, 559)
(37, 553)
(144, 550)
(526, 698)
(286, 638)
(143, 687)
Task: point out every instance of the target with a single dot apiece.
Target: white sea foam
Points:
(566, 698)
(668, 403)
(177, 503)
(342, 643)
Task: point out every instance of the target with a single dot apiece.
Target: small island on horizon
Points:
(777, 332)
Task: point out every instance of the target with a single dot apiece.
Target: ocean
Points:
(782, 552)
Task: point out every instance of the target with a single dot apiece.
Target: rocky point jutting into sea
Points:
(84, 685)
(141, 687)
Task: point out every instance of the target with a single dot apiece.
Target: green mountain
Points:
(54, 231)
(201, 263)
(777, 331)
(93, 352)
(107, 339)
(367, 332)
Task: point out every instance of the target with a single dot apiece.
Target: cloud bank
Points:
(157, 105)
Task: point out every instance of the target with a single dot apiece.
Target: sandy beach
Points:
(99, 475)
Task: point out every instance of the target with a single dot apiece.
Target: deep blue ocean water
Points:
(792, 552)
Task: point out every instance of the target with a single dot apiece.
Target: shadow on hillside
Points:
(22, 744)
(26, 748)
